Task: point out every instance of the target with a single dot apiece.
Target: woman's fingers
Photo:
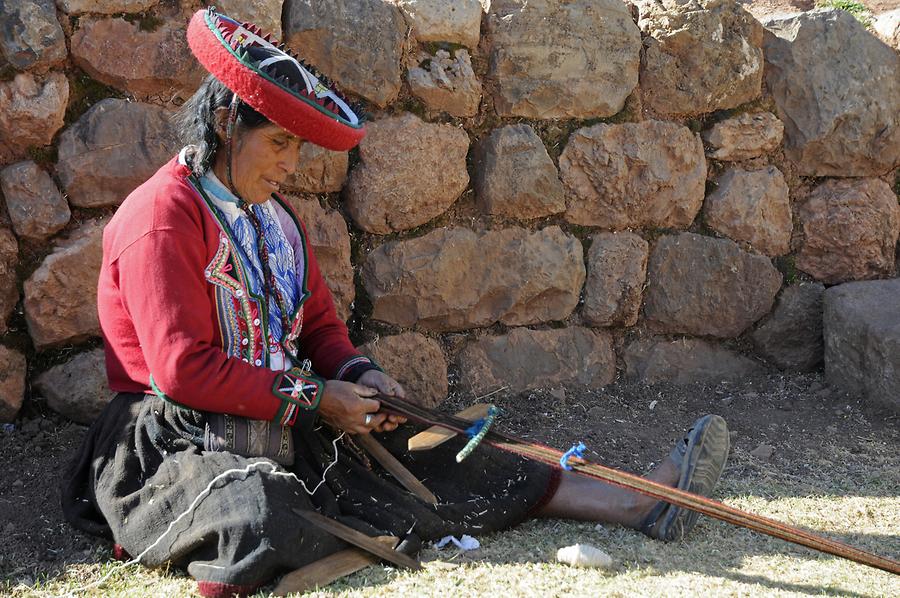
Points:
(392, 388)
(391, 423)
(364, 391)
(347, 406)
(369, 405)
(386, 427)
(352, 410)
(384, 383)
(371, 419)
(376, 422)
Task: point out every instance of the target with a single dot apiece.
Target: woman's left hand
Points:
(387, 386)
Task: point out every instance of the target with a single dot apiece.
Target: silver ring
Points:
(369, 418)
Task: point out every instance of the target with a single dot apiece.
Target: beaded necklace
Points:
(270, 287)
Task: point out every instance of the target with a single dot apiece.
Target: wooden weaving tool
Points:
(395, 468)
(694, 502)
(326, 570)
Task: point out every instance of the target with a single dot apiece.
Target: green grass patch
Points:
(450, 47)
(786, 264)
(145, 21)
(859, 11)
(45, 157)
(84, 92)
(412, 105)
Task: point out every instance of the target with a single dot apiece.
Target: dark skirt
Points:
(142, 465)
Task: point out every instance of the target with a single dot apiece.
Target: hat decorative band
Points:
(247, 61)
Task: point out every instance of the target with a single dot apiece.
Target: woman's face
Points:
(262, 159)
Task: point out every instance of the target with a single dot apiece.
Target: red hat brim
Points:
(300, 111)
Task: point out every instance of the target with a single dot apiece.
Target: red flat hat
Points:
(238, 54)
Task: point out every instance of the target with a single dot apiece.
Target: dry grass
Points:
(850, 496)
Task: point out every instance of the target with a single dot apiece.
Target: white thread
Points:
(200, 496)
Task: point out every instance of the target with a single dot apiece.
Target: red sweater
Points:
(170, 290)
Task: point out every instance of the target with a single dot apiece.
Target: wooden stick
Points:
(437, 435)
(348, 534)
(326, 570)
(395, 468)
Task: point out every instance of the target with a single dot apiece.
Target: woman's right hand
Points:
(345, 405)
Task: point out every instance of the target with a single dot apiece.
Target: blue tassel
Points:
(577, 450)
(475, 428)
(477, 432)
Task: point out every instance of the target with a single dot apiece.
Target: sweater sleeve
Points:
(324, 338)
(164, 291)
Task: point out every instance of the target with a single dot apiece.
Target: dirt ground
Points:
(625, 425)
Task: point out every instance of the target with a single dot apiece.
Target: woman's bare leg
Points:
(587, 499)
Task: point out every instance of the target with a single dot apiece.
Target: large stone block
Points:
(551, 59)
(791, 337)
(411, 171)
(12, 383)
(36, 207)
(416, 362)
(30, 34)
(9, 291)
(458, 21)
(862, 340)
(685, 361)
(841, 115)
(146, 64)
(446, 84)
(334, 36)
(514, 175)
(457, 279)
(61, 295)
(114, 147)
(528, 359)
(617, 269)
(707, 287)
(31, 112)
(752, 207)
(700, 56)
(319, 170)
(330, 243)
(635, 175)
(77, 389)
(265, 14)
(749, 135)
(850, 229)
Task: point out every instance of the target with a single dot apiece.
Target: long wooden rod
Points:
(681, 498)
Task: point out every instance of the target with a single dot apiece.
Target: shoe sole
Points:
(710, 451)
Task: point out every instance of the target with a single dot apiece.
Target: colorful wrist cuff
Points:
(355, 367)
(299, 390)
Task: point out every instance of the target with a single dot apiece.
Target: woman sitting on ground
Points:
(239, 391)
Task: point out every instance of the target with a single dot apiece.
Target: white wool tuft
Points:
(584, 555)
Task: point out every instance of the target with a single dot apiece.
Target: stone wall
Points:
(550, 193)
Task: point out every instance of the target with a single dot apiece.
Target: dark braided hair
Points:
(195, 121)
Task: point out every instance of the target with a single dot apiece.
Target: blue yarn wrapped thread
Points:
(477, 432)
(577, 450)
